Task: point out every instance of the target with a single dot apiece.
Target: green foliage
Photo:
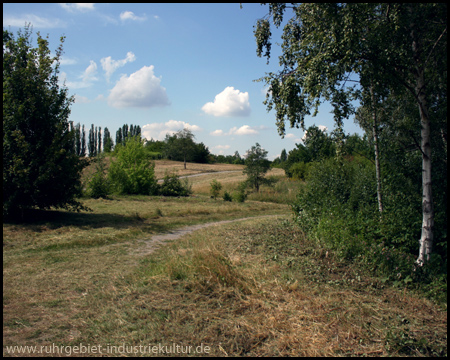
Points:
(181, 147)
(99, 185)
(132, 172)
(241, 195)
(338, 207)
(256, 167)
(216, 186)
(299, 170)
(174, 186)
(40, 166)
(227, 196)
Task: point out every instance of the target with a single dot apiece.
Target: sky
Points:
(165, 67)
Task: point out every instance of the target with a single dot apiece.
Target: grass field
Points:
(257, 287)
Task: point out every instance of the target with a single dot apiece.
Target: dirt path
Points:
(202, 174)
(150, 245)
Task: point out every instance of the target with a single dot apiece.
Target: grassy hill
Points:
(258, 287)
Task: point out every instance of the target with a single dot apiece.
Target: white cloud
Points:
(229, 102)
(129, 15)
(293, 137)
(82, 7)
(217, 133)
(223, 147)
(140, 89)
(67, 61)
(158, 131)
(110, 65)
(89, 73)
(243, 130)
(36, 21)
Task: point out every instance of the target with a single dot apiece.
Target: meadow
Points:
(257, 287)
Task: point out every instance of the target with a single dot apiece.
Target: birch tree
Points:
(403, 47)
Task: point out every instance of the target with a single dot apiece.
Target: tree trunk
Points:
(426, 239)
(377, 153)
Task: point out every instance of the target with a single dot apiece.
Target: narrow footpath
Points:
(156, 241)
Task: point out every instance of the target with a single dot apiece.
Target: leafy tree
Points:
(257, 166)
(99, 140)
(283, 156)
(91, 142)
(107, 141)
(133, 171)
(216, 186)
(78, 139)
(83, 143)
(392, 48)
(40, 168)
(318, 144)
(200, 154)
(119, 136)
(180, 146)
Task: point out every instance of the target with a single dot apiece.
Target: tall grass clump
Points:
(338, 207)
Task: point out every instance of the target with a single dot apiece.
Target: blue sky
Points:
(167, 66)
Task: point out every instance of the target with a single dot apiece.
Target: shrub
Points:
(174, 186)
(133, 171)
(240, 195)
(299, 170)
(98, 185)
(216, 186)
(227, 196)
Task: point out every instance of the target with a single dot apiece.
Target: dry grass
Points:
(163, 166)
(252, 288)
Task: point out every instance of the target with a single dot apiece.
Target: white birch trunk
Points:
(426, 239)
(377, 153)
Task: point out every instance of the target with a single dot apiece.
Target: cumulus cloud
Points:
(230, 102)
(129, 15)
(243, 130)
(140, 89)
(217, 133)
(158, 131)
(110, 65)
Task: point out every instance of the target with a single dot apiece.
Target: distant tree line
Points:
(179, 146)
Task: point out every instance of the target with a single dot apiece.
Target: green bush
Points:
(174, 186)
(299, 170)
(338, 207)
(227, 196)
(216, 186)
(241, 195)
(98, 185)
(133, 170)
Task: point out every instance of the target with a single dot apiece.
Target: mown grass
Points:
(252, 288)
